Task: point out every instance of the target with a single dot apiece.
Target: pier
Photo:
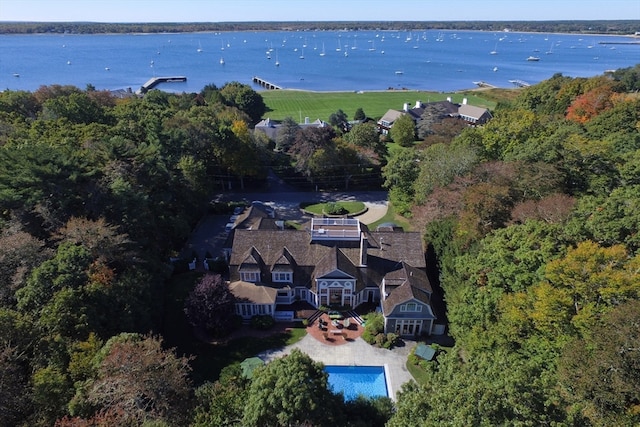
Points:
(265, 84)
(484, 84)
(155, 81)
(519, 83)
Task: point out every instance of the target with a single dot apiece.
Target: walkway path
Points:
(375, 211)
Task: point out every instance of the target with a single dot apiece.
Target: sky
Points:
(316, 10)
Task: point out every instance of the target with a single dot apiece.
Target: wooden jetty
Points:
(155, 81)
(265, 84)
(484, 84)
(519, 83)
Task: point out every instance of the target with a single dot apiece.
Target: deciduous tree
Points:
(138, 381)
(211, 306)
(600, 373)
(403, 131)
(290, 391)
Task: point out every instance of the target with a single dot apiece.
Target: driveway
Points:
(209, 235)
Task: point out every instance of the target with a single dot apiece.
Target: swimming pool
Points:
(352, 381)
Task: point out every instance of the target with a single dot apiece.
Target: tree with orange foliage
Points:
(590, 104)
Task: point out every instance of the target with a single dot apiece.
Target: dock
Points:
(519, 83)
(155, 81)
(484, 84)
(265, 84)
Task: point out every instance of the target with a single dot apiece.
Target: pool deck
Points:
(357, 353)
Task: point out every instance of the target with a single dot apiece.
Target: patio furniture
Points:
(347, 323)
(335, 315)
(336, 331)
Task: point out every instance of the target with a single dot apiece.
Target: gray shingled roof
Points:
(250, 292)
(386, 252)
(471, 111)
(414, 285)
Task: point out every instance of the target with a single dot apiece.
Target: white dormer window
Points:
(282, 276)
(411, 307)
(249, 276)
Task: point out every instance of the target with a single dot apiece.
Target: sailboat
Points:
(199, 47)
(221, 61)
(339, 48)
(277, 62)
(322, 53)
(550, 51)
(355, 45)
(495, 50)
(302, 54)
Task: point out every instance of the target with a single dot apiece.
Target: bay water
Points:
(443, 61)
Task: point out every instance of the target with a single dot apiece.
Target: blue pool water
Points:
(352, 381)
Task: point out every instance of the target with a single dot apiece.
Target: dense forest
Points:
(532, 221)
(618, 27)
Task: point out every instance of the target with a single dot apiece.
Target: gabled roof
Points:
(391, 116)
(472, 111)
(414, 286)
(334, 263)
(267, 123)
(252, 260)
(285, 262)
(386, 251)
(252, 293)
(449, 107)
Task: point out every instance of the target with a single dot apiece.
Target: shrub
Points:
(333, 208)
(262, 322)
(368, 337)
(375, 323)
(413, 359)
(391, 340)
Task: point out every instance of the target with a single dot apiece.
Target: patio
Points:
(334, 332)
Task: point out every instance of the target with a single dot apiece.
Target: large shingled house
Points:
(472, 115)
(334, 262)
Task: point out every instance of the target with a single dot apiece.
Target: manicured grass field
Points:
(320, 105)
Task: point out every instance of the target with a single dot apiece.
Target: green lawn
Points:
(210, 359)
(320, 105)
(417, 373)
(391, 216)
(351, 207)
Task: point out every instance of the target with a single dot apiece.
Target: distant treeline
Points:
(622, 27)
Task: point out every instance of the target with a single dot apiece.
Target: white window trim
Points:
(415, 307)
(282, 276)
(249, 276)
